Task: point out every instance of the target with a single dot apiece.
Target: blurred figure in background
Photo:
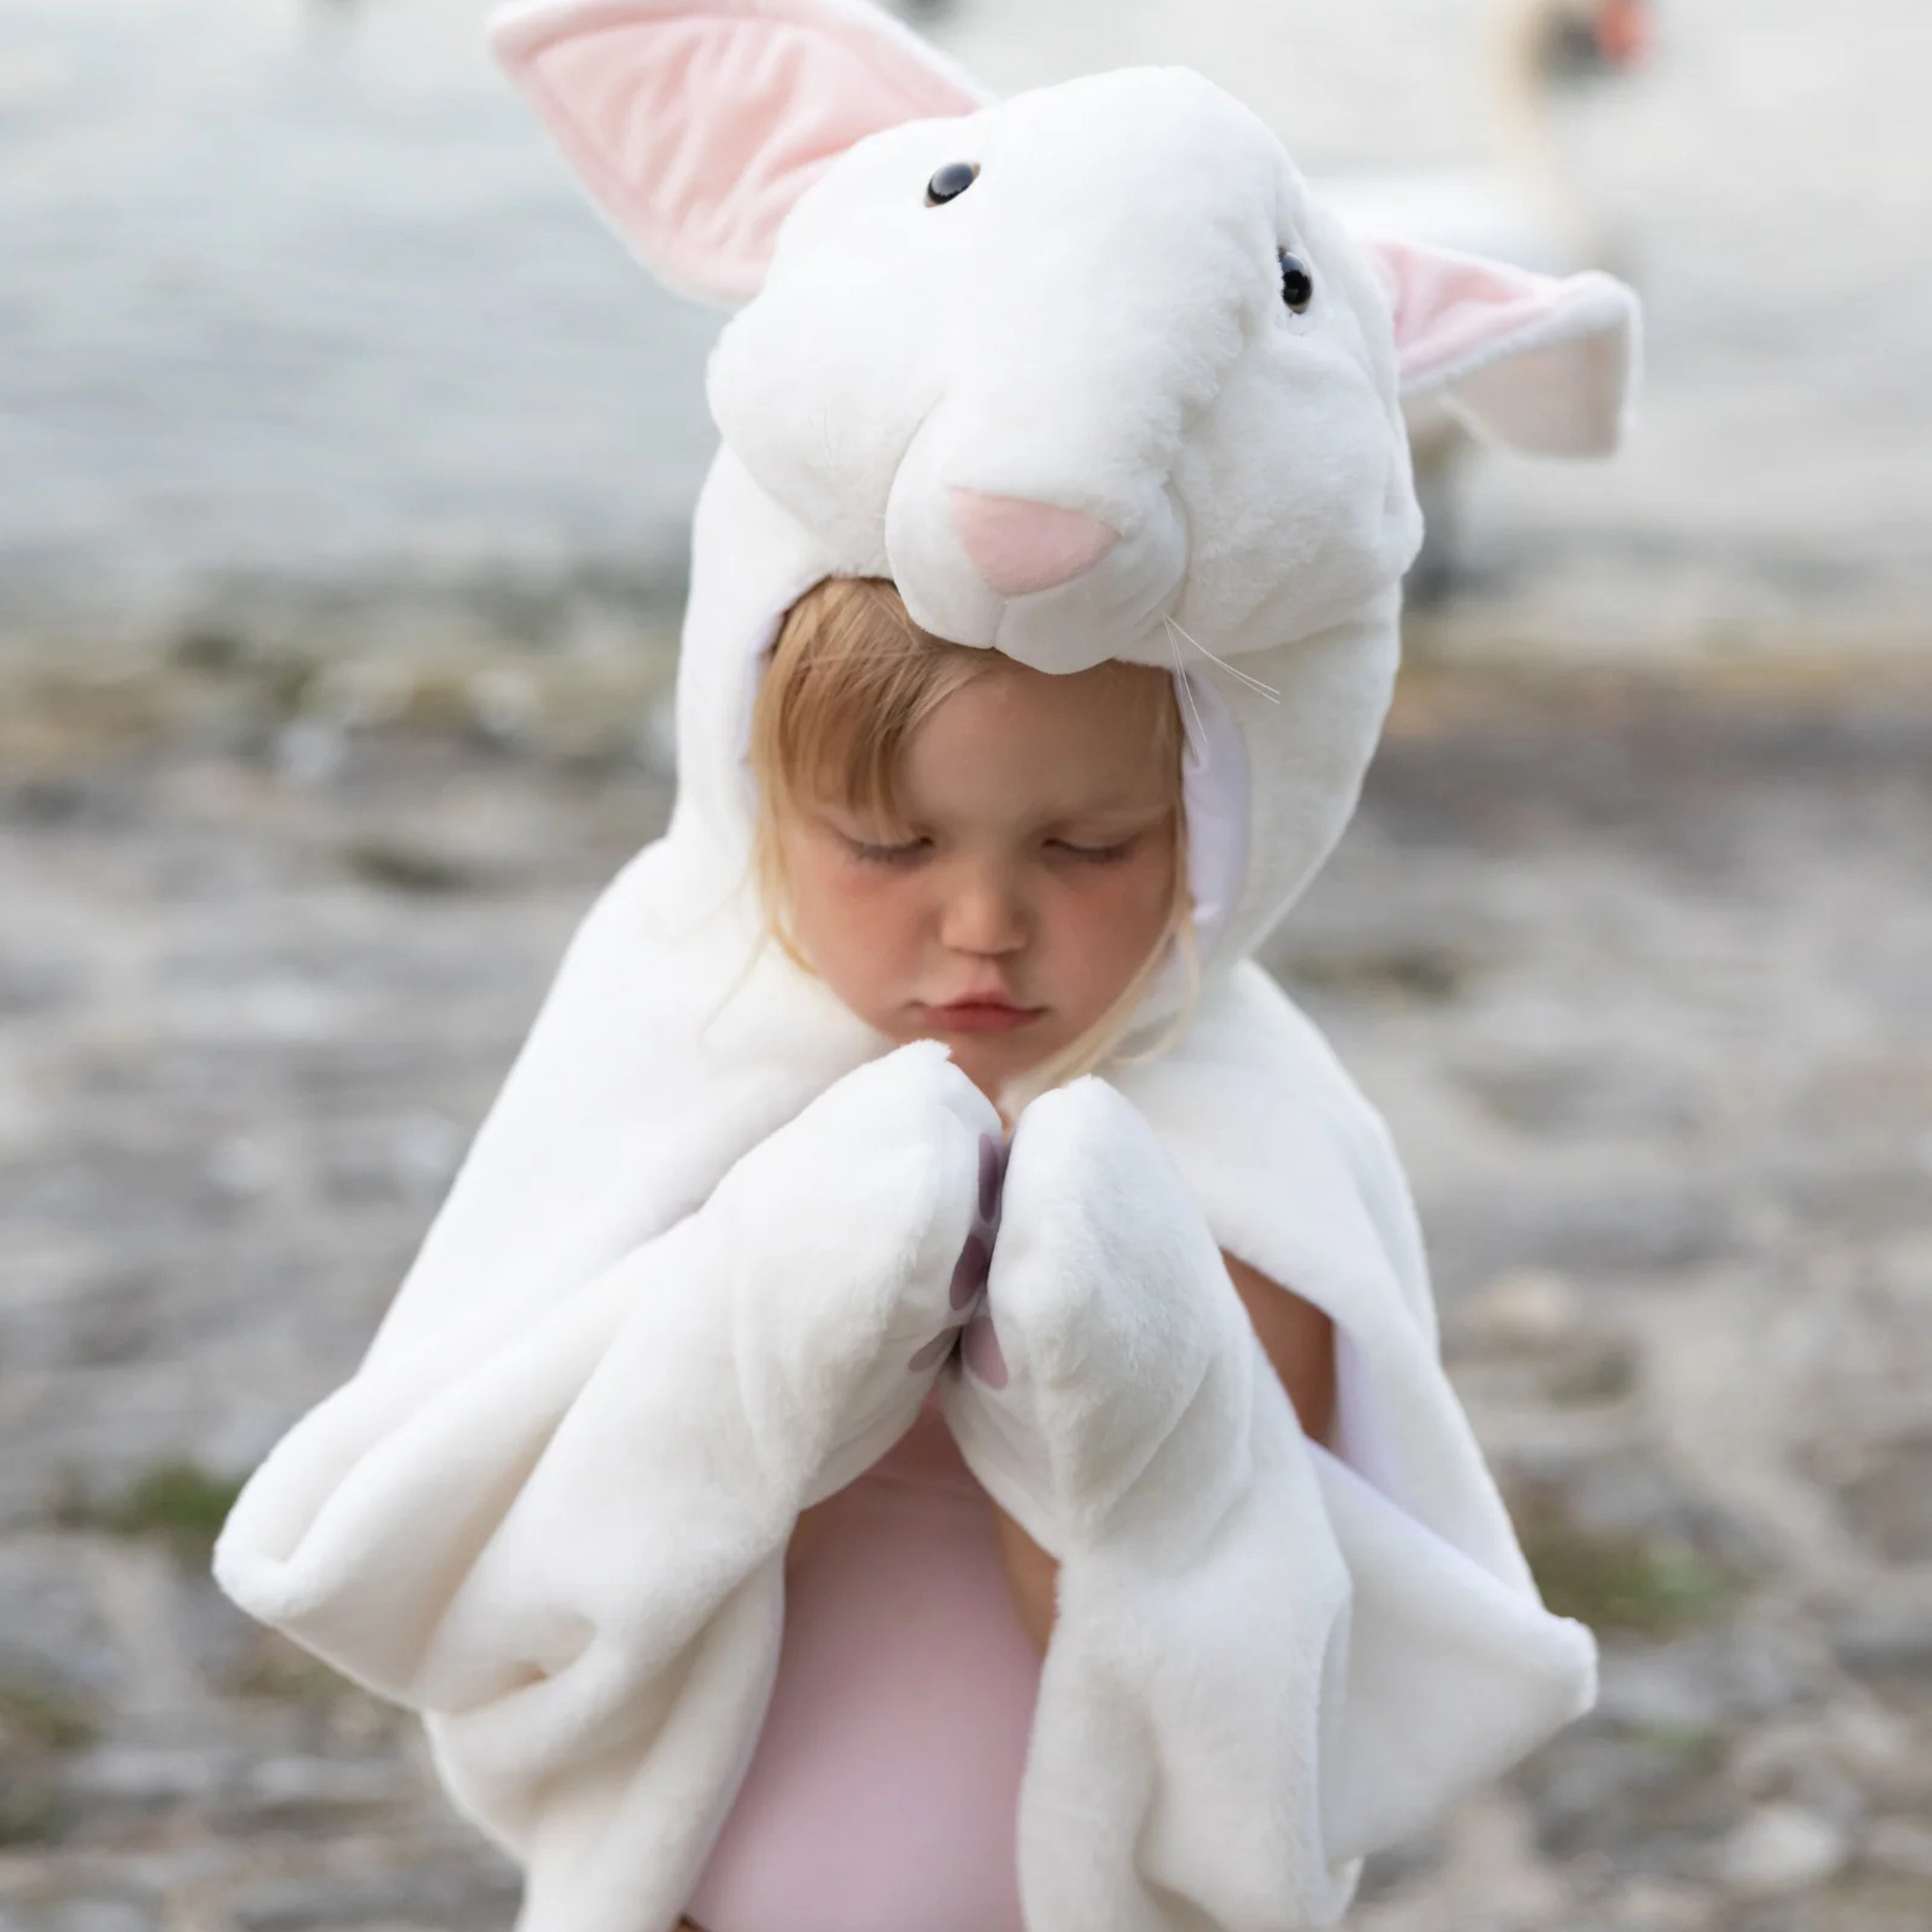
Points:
(1524, 205)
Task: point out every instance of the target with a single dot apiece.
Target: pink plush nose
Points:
(1019, 546)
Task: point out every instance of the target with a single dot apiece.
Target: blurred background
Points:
(345, 462)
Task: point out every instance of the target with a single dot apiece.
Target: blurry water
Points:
(305, 294)
(298, 292)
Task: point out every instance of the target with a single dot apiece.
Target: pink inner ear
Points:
(1543, 364)
(1450, 309)
(697, 124)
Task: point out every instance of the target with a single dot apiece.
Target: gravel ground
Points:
(1637, 969)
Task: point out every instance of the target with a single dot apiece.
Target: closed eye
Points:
(1092, 854)
(906, 853)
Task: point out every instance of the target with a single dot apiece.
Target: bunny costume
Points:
(1088, 374)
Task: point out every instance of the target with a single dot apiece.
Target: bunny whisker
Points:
(1267, 691)
(1197, 732)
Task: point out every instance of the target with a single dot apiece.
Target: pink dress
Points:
(885, 1789)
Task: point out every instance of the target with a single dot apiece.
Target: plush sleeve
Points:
(530, 1553)
(549, 1511)
(1453, 1669)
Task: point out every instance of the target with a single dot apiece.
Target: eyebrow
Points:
(1111, 810)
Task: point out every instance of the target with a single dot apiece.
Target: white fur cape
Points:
(1130, 393)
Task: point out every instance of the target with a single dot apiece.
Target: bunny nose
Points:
(1019, 546)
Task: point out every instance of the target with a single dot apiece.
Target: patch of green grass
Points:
(1632, 1583)
(210, 646)
(1697, 1750)
(40, 1715)
(178, 1501)
(331, 1710)
(1604, 1369)
(401, 868)
(275, 1668)
(38, 1722)
(29, 1805)
(1428, 975)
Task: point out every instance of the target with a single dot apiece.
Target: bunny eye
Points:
(952, 181)
(1297, 284)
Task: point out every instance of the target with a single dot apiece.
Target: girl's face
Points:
(1034, 879)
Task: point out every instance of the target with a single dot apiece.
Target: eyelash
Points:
(1106, 854)
(886, 854)
(897, 855)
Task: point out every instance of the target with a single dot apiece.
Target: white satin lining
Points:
(1215, 795)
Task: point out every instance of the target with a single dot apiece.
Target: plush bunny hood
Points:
(1088, 373)
(942, 396)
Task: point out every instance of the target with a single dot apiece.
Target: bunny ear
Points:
(697, 123)
(1545, 364)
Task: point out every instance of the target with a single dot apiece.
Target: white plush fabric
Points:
(682, 1284)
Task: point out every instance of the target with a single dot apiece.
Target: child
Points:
(781, 1521)
(962, 849)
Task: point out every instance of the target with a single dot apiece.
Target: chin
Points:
(980, 1063)
(993, 1067)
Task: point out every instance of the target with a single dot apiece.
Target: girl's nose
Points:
(983, 916)
(1019, 546)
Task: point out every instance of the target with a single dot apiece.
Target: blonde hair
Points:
(848, 680)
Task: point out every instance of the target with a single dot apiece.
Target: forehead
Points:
(1016, 744)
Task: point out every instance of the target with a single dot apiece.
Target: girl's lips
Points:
(980, 1016)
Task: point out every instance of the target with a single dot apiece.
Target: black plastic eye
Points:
(1297, 284)
(952, 181)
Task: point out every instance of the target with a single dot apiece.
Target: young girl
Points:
(784, 1520)
(966, 850)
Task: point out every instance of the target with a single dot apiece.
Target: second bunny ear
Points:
(697, 123)
(1542, 363)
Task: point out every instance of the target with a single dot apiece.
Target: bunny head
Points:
(1089, 374)
(1055, 386)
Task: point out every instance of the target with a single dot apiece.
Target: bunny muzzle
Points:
(1055, 585)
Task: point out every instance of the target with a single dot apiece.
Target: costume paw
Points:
(1113, 1355)
(858, 1238)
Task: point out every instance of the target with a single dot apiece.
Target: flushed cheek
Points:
(1104, 927)
(864, 940)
